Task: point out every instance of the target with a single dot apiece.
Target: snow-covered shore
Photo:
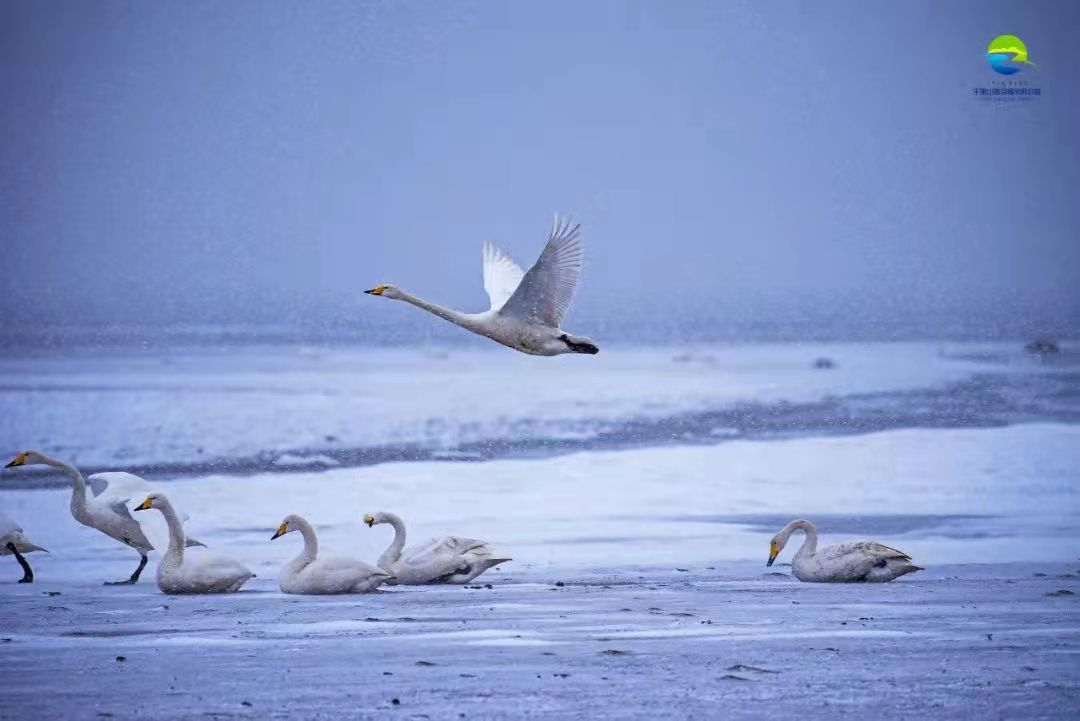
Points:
(989, 642)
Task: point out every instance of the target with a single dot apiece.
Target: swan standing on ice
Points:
(199, 572)
(526, 308)
(106, 510)
(310, 574)
(14, 543)
(846, 562)
(442, 560)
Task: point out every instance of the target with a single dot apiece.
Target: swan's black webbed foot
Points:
(134, 576)
(28, 573)
(579, 346)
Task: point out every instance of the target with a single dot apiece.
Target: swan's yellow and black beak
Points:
(377, 290)
(17, 461)
(369, 520)
(144, 506)
(281, 531)
(774, 551)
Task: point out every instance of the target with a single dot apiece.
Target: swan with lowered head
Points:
(105, 508)
(309, 573)
(526, 308)
(450, 559)
(14, 543)
(843, 563)
(200, 571)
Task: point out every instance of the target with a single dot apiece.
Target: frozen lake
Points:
(648, 485)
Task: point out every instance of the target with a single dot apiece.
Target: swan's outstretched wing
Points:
(117, 488)
(545, 292)
(118, 484)
(502, 275)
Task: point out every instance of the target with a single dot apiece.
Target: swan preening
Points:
(310, 573)
(182, 571)
(846, 562)
(105, 508)
(13, 542)
(527, 309)
(442, 560)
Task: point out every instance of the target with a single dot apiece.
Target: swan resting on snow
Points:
(309, 573)
(442, 560)
(106, 509)
(844, 563)
(192, 572)
(14, 543)
(526, 308)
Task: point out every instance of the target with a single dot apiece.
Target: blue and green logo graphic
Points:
(1007, 54)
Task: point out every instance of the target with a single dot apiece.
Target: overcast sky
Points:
(267, 161)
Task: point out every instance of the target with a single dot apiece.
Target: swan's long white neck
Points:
(809, 546)
(456, 317)
(393, 552)
(78, 483)
(175, 555)
(311, 544)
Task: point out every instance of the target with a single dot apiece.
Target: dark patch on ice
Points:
(741, 668)
(123, 633)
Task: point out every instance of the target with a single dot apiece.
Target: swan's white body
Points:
(526, 308)
(195, 570)
(310, 573)
(860, 561)
(450, 559)
(105, 507)
(14, 542)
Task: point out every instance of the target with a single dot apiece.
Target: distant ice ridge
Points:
(280, 404)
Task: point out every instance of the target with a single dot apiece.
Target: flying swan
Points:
(844, 563)
(310, 574)
(106, 510)
(526, 308)
(442, 560)
(198, 572)
(14, 543)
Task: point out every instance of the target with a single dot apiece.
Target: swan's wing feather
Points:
(502, 275)
(856, 559)
(545, 292)
(448, 546)
(431, 559)
(118, 485)
(119, 507)
(880, 550)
